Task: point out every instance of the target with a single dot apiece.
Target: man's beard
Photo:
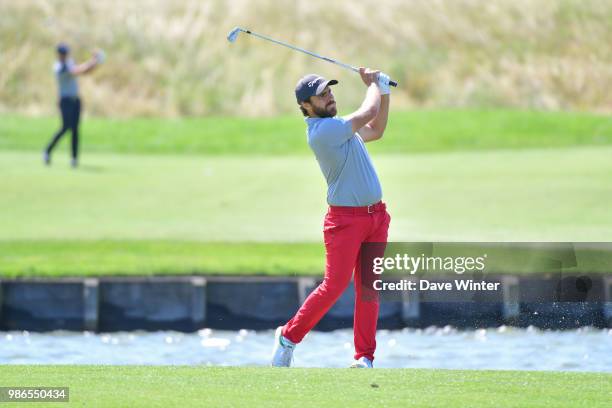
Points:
(325, 112)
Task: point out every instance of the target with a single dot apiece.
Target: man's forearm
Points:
(369, 107)
(89, 65)
(85, 67)
(379, 123)
(372, 99)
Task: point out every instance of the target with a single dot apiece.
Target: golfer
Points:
(356, 213)
(66, 72)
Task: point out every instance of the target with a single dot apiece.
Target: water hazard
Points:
(585, 349)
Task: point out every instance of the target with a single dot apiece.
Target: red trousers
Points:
(345, 229)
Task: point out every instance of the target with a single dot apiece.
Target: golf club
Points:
(233, 35)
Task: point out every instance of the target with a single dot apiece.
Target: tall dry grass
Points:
(170, 58)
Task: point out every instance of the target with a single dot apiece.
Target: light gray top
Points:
(66, 82)
(344, 161)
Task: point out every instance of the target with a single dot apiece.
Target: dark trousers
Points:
(70, 108)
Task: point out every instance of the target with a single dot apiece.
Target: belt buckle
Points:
(370, 209)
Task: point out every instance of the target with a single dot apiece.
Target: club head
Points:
(231, 37)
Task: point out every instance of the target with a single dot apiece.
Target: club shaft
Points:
(293, 47)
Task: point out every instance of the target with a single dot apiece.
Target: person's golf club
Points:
(233, 35)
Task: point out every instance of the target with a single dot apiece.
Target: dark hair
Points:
(62, 48)
(304, 111)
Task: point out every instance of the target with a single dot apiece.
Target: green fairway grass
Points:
(408, 132)
(530, 195)
(182, 386)
(233, 195)
(151, 214)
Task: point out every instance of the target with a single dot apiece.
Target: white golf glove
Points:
(383, 83)
(100, 56)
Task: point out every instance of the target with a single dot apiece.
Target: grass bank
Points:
(65, 258)
(146, 258)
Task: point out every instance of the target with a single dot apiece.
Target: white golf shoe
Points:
(363, 362)
(282, 355)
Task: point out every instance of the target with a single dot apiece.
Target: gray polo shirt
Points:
(66, 82)
(344, 161)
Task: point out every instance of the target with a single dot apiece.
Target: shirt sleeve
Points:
(69, 66)
(64, 68)
(334, 131)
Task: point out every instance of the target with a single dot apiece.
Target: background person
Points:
(356, 213)
(69, 101)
